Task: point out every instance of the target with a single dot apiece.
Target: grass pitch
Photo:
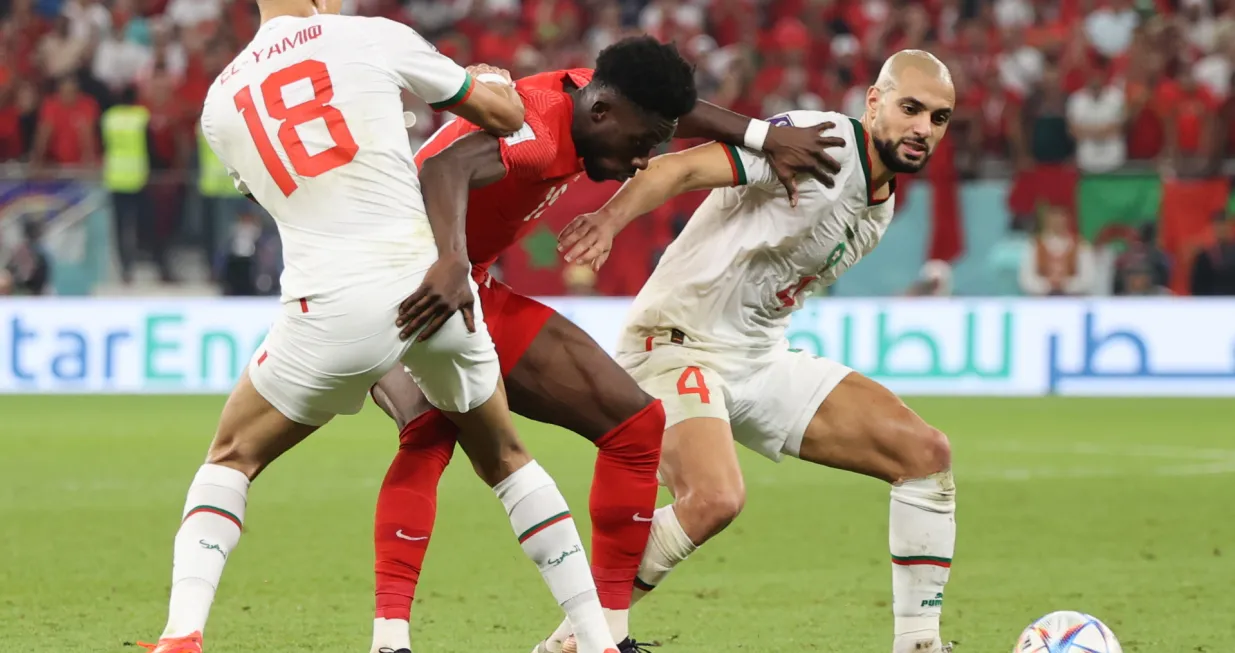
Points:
(1119, 508)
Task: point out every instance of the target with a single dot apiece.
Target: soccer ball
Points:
(1067, 632)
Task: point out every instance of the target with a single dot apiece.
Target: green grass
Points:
(1120, 508)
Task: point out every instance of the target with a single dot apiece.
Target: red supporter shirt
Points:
(1187, 111)
(540, 162)
(65, 146)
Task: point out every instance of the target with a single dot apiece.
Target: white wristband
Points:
(492, 78)
(756, 133)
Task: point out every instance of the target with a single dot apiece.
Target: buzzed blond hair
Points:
(919, 60)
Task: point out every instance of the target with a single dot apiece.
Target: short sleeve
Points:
(419, 67)
(750, 168)
(529, 152)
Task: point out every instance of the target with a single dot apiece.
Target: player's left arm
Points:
(588, 239)
(486, 100)
(473, 161)
(791, 150)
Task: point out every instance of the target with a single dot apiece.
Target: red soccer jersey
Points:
(540, 164)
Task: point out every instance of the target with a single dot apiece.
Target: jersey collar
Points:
(864, 156)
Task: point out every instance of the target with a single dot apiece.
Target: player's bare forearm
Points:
(791, 150)
(715, 123)
(445, 179)
(667, 176)
(494, 107)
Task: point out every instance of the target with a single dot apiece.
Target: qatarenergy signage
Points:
(1010, 347)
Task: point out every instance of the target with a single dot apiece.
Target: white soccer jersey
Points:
(309, 120)
(747, 259)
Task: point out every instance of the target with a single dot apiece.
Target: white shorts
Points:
(768, 398)
(322, 356)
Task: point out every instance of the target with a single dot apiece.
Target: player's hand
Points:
(587, 240)
(478, 69)
(794, 150)
(444, 290)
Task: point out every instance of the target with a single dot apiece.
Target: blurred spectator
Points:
(1143, 257)
(1020, 64)
(935, 280)
(498, 44)
(239, 269)
(126, 175)
(606, 27)
(67, 124)
(1057, 262)
(1095, 119)
(1014, 13)
(670, 19)
(1214, 71)
(792, 94)
(1109, 28)
(166, 53)
(1139, 281)
(1189, 112)
(29, 268)
(60, 51)
(6, 283)
(191, 13)
(1039, 132)
(1213, 270)
(117, 60)
(19, 110)
(88, 19)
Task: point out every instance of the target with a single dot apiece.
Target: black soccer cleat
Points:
(629, 645)
(391, 650)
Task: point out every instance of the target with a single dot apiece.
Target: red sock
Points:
(623, 497)
(406, 507)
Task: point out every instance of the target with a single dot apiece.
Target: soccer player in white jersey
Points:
(706, 335)
(308, 118)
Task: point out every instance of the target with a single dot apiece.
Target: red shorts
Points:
(513, 320)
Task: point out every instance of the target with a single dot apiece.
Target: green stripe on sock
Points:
(215, 510)
(561, 516)
(922, 560)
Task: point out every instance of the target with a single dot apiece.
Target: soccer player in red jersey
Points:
(604, 123)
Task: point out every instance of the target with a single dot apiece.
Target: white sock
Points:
(210, 530)
(559, 636)
(668, 545)
(922, 538)
(619, 623)
(542, 522)
(390, 635)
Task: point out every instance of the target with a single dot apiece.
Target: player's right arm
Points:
(444, 84)
(473, 161)
(588, 238)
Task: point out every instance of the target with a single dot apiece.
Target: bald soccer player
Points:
(706, 336)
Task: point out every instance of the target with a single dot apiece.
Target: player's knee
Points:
(497, 466)
(925, 450)
(716, 508)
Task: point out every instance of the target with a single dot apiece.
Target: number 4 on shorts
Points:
(692, 374)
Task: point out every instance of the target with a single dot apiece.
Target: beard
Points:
(889, 153)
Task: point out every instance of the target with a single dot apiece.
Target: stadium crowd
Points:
(1052, 89)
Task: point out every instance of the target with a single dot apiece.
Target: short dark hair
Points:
(649, 73)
